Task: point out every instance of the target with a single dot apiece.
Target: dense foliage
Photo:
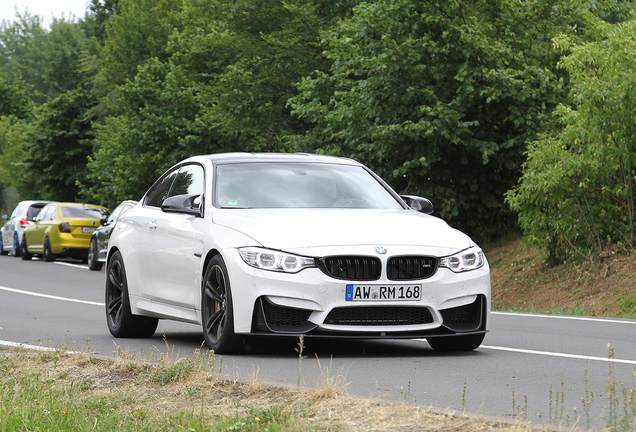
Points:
(440, 98)
(576, 195)
(216, 78)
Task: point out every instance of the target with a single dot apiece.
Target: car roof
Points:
(31, 202)
(229, 158)
(72, 204)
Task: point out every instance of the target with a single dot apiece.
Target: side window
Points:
(114, 215)
(159, 191)
(50, 213)
(45, 212)
(33, 211)
(190, 181)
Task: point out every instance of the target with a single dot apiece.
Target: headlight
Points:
(266, 259)
(470, 259)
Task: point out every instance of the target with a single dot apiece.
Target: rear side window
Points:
(47, 213)
(33, 211)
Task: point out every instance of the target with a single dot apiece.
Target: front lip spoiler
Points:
(438, 332)
(305, 328)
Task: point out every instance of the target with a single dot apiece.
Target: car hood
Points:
(292, 229)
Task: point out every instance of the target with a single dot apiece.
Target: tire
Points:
(16, 246)
(121, 322)
(217, 316)
(2, 251)
(93, 264)
(456, 343)
(24, 252)
(48, 254)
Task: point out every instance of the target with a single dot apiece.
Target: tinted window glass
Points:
(160, 190)
(34, 210)
(83, 212)
(46, 213)
(115, 214)
(190, 181)
(50, 213)
(300, 185)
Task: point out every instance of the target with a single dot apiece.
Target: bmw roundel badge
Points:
(380, 250)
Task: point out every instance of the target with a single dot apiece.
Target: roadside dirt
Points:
(127, 387)
(521, 281)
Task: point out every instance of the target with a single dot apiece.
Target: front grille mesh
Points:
(459, 316)
(379, 316)
(466, 317)
(352, 267)
(411, 267)
(285, 316)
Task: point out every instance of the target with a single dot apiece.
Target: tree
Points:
(57, 144)
(96, 17)
(15, 97)
(219, 81)
(576, 195)
(46, 60)
(15, 110)
(139, 31)
(11, 153)
(437, 97)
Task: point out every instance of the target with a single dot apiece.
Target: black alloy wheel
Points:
(216, 309)
(48, 254)
(456, 343)
(121, 322)
(24, 253)
(93, 264)
(2, 251)
(16, 245)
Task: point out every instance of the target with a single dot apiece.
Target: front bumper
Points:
(310, 303)
(270, 319)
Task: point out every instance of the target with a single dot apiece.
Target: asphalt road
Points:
(536, 366)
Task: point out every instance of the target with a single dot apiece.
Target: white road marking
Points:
(34, 294)
(553, 354)
(568, 317)
(26, 346)
(81, 266)
(518, 350)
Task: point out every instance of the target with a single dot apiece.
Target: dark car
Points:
(99, 240)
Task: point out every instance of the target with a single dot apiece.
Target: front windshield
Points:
(299, 185)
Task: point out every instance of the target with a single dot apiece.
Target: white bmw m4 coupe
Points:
(256, 245)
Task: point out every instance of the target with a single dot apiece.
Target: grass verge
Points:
(79, 392)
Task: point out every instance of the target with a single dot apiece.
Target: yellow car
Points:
(62, 230)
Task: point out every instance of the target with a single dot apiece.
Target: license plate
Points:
(383, 293)
(88, 229)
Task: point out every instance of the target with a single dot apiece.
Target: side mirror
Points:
(181, 204)
(103, 221)
(419, 204)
